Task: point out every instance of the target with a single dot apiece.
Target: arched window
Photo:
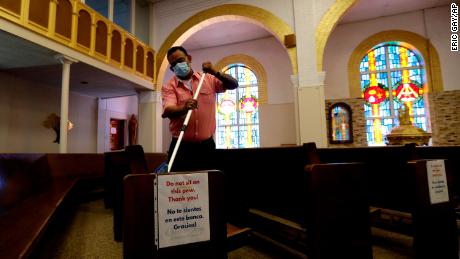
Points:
(340, 123)
(392, 74)
(238, 111)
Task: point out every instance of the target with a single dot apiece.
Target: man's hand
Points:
(228, 81)
(208, 68)
(190, 104)
(176, 111)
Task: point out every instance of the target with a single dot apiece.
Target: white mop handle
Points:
(195, 96)
(187, 118)
(176, 147)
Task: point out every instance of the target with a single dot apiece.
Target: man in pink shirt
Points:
(197, 146)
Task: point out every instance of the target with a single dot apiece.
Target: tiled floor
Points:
(87, 233)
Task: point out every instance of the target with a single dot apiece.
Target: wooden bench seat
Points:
(33, 187)
(22, 226)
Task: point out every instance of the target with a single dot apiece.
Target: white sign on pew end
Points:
(437, 181)
(183, 209)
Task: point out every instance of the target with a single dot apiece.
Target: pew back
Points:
(139, 220)
(338, 222)
(268, 179)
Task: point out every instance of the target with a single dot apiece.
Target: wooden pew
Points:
(338, 220)
(118, 164)
(32, 188)
(435, 226)
(398, 182)
(269, 190)
(270, 172)
(271, 180)
(139, 221)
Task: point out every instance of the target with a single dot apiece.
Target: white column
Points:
(312, 113)
(66, 62)
(150, 127)
(295, 88)
(111, 6)
(102, 135)
(310, 83)
(132, 25)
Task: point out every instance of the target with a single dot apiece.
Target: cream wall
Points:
(277, 121)
(168, 16)
(346, 37)
(277, 124)
(24, 105)
(268, 52)
(438, 31)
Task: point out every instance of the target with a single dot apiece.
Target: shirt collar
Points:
(195, 75)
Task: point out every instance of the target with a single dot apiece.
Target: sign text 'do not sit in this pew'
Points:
(437, 181)
(182, 209)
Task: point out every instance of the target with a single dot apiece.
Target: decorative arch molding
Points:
(224, 12)
(326, 25)
(254, 65)
(420, 44)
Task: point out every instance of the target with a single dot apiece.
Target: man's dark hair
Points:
(175, 48)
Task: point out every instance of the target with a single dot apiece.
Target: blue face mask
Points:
(181, 69)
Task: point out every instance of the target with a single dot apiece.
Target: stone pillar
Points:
(312, 113)
(150, 132)
(295, 89)
(310, 83)
(66, 62)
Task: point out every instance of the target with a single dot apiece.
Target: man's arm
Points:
(176, 111)
(227, 80)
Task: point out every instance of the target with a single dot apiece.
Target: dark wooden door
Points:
(117, 134)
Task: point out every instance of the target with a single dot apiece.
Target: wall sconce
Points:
(53, 121)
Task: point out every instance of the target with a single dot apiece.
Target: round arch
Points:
(216, 14)
(325, 26)
(421, 44)
(254, 65)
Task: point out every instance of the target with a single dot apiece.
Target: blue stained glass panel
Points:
(380, 59)
(416, 75)
(382, 78)
(364, 65)
(385, 109)
(396, 77)
(413, 60)
(367, 111)
(365, 81)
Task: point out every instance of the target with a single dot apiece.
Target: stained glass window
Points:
(340, 126)
(238, 111)
(391, 75)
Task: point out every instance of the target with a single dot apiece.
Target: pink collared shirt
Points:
(202, 123)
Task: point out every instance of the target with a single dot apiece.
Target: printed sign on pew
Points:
(437, 181)
(183, 209)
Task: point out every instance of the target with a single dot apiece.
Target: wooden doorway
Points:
(117, 134)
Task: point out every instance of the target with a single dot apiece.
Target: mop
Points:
(161, 168)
